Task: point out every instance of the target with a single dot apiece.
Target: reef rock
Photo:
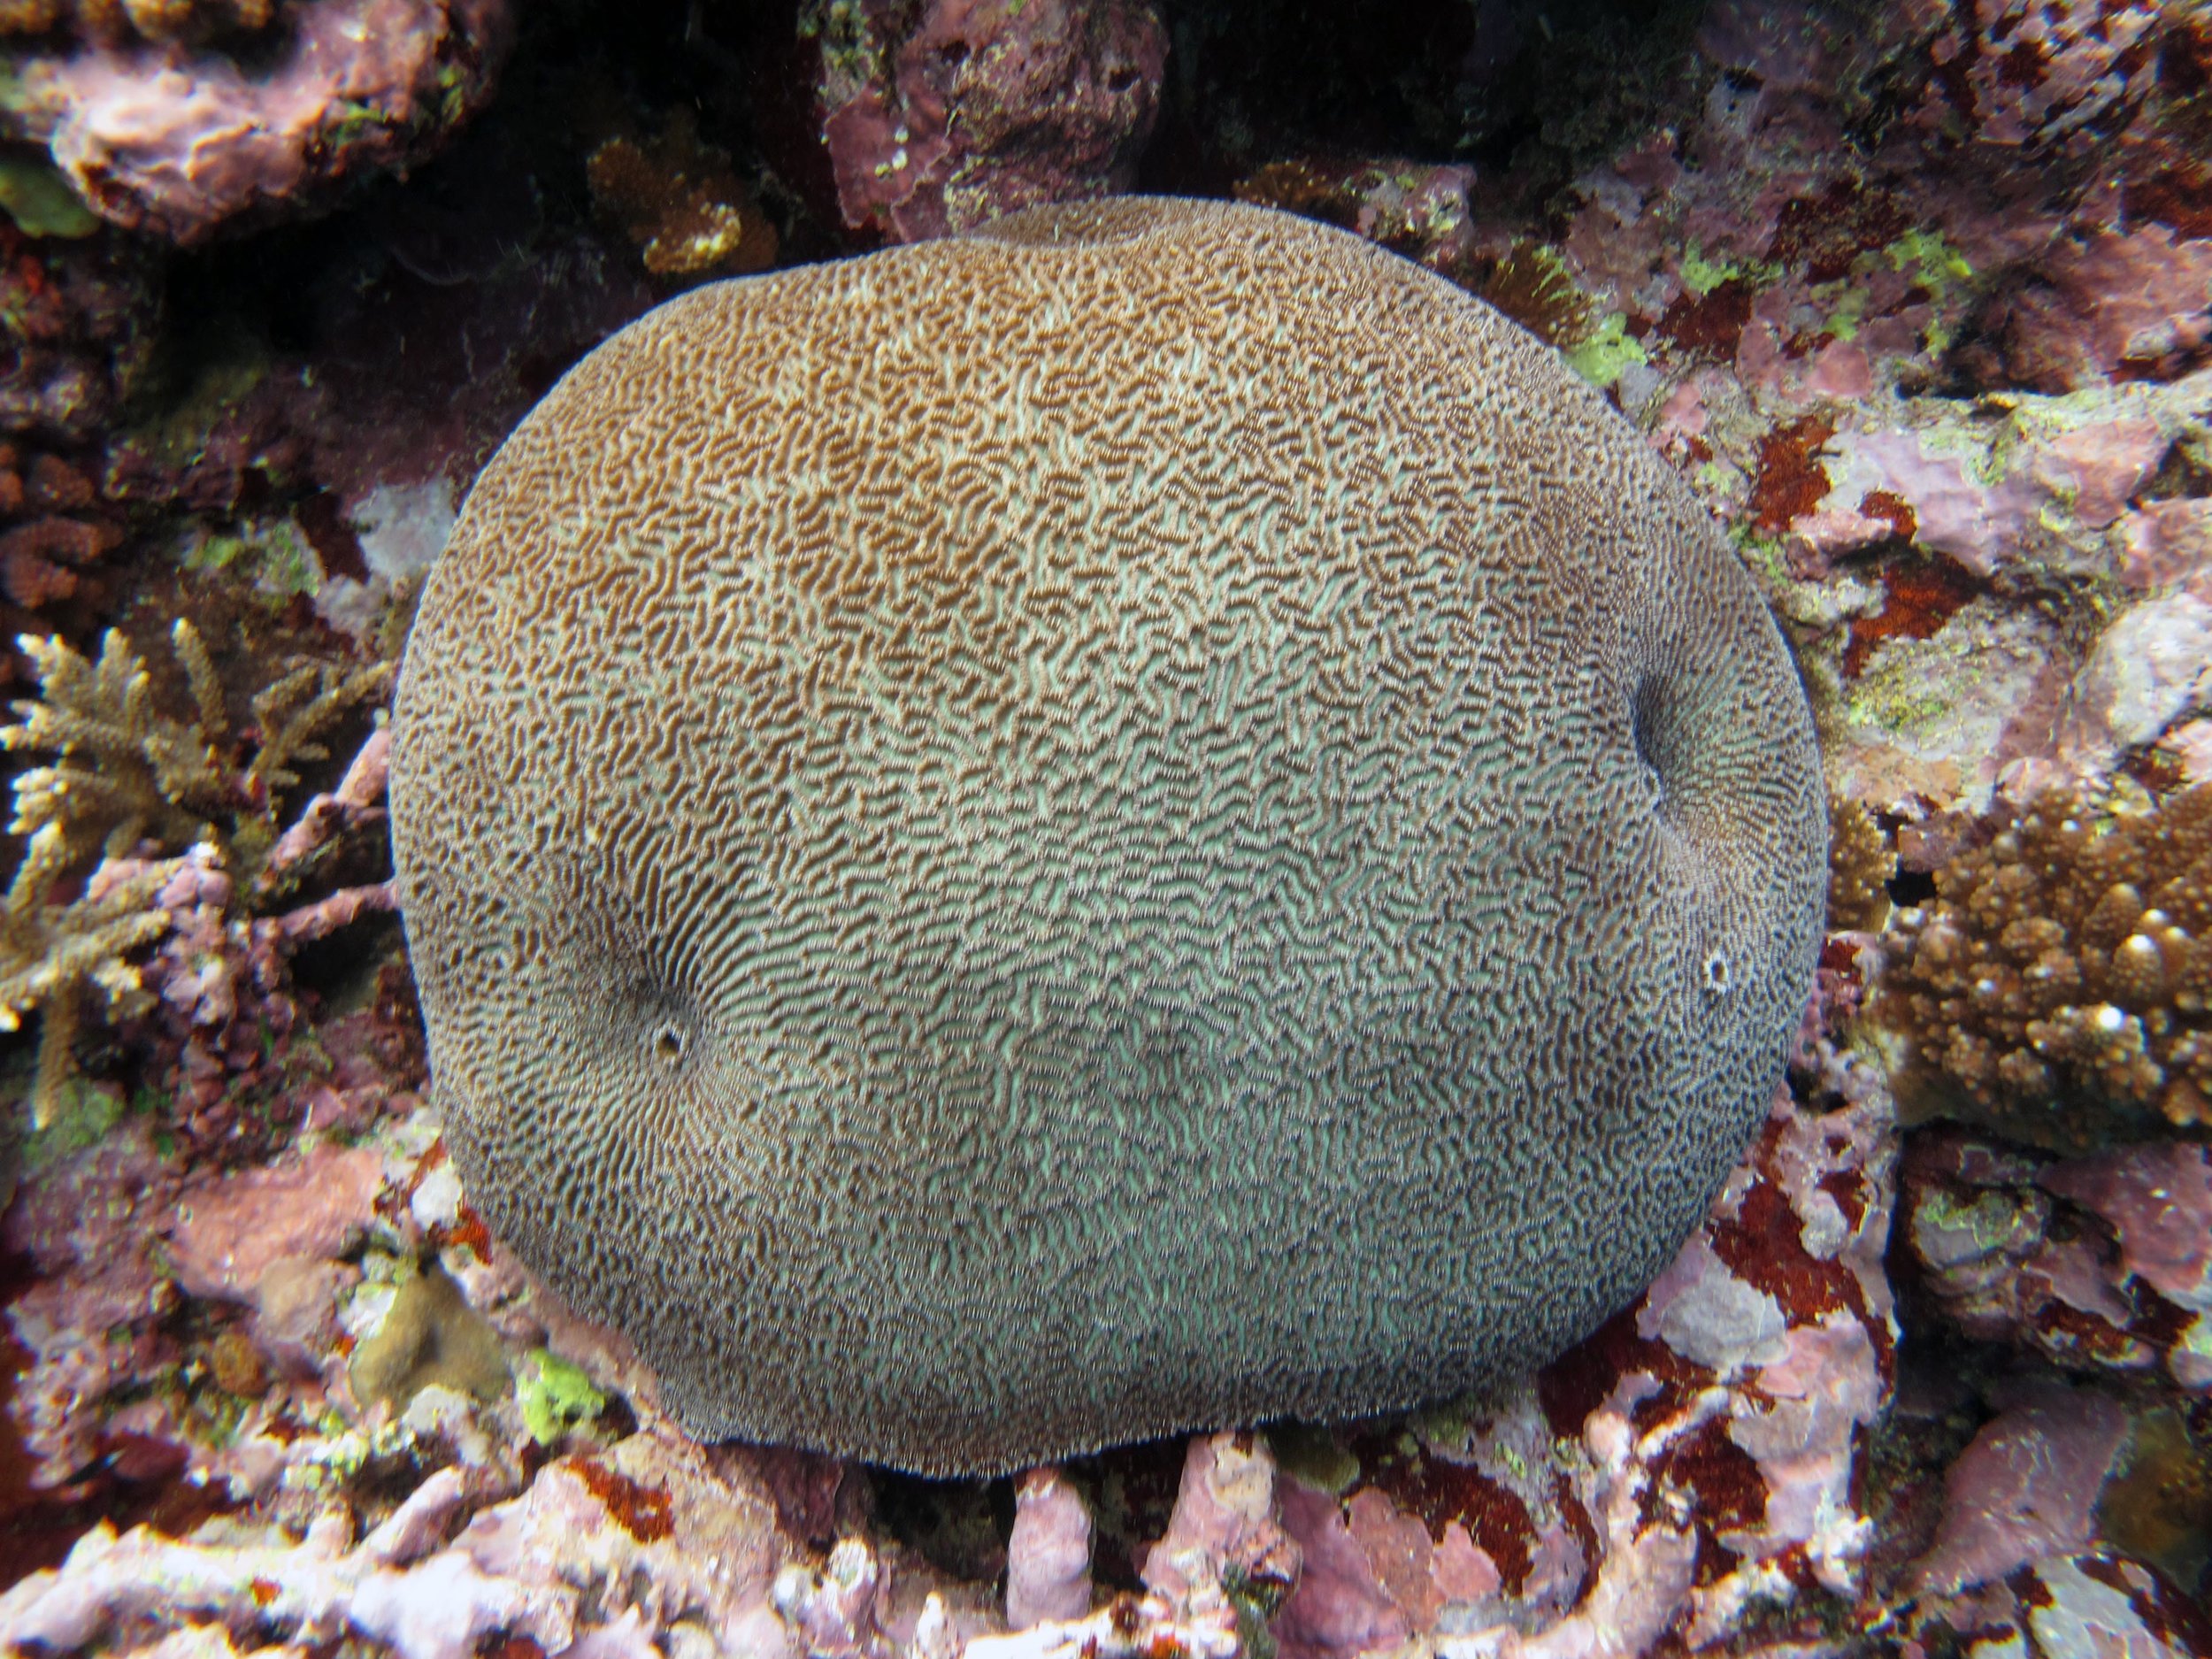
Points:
(178, 141)
(942, 116)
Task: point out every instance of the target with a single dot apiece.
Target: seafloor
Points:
(1915, 294)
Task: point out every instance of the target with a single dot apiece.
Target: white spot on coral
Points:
(401, 528)
(1705, 1313)
(364, 1315)
(2152, 667)
(437, 1200)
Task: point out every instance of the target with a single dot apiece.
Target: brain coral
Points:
(1147, 817)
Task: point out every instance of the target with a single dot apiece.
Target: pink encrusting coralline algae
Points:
(181, 140)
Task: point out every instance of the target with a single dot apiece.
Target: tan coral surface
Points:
(2058, 985)
(159, 21)
(1860, 865)
(1149, 818)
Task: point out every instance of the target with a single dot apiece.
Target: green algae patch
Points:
(1847, 309)
(275, 555)
(1533, 284)
(1936, 266)
(1933, 259)
(85, 1115)
(555, 1394)
(39, 200)
(1701, 274)
(1994, 1221)
(1315, 1455)
(1609, 353)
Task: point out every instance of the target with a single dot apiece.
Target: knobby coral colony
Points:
(2060, 985)
(1860, 866)
(963, 829)
(127, 778)
(149, 19)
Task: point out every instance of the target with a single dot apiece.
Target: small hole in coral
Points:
(954, 55)
(1643, 707)
(1121, 79)
(1911, 887)
(668, 1044)
(1718, 975)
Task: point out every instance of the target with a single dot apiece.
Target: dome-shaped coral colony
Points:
(1150, 818)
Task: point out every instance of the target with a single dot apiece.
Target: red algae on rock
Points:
(644, 1512)
(1670, 1472)
(1790, 481)
(1918, 596)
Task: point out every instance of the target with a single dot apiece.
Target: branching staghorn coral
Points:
(48, 953)
(126, 774)
(2058, 986)
(290, 714)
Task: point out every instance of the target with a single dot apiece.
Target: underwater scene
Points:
(1106, 829)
